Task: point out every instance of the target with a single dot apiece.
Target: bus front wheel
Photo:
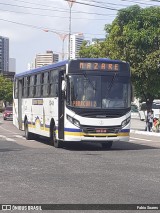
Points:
(107, 145)
(28, 135)
(54, 141)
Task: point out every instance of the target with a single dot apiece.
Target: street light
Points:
(70, 3)
(62, 36)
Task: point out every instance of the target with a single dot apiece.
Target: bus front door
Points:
(60, 109)
(20, 104)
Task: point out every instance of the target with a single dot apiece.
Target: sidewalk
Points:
(138, 127)
(142, 132)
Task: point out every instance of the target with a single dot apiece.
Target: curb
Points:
(145, 133)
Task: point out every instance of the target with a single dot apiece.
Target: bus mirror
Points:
(63, 86)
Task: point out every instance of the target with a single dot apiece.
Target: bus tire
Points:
(107, 145)
(58, 144)
(54, 141)
(28, 135)
(52, 134)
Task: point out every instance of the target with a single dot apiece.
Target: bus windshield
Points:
(107, 92)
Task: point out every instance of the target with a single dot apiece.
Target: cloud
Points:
(26, 42)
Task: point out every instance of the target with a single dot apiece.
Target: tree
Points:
(95, 50)
(134, 36)
(6, 89)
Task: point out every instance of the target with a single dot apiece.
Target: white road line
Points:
(7, 139)
(20, 136)
(140, 139)
(10, 139)
(2, 136)
(7, 130)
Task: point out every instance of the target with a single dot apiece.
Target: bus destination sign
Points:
(98, 66)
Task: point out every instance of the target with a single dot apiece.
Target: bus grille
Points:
(101, 130)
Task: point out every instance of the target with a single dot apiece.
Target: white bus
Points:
(86, 100)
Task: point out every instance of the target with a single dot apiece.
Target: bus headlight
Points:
(73, 121)
(125, 122)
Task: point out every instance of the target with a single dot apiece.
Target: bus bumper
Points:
(97, 138)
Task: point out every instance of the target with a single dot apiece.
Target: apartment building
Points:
(47, 58)
(4, 54)
(75, 44)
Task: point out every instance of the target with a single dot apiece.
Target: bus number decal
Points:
(51, 103)
(37, 102)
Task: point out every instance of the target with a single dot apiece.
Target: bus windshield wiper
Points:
(111, 85)
(85, 75)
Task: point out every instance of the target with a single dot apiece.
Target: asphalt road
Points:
(37, 173)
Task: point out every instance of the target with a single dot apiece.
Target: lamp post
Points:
(70, 3)
(62, 36)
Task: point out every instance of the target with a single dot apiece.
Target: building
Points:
(4, 54)
(46, 58)
(75, 44)
(12, 65)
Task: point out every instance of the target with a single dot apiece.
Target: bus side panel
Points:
(39, 112)
(15, 113)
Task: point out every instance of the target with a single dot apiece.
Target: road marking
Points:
(10, 139)
(131, 140)
(7, 130)
(20, 136)
(2, 136)
(140, 139)
(7, 139)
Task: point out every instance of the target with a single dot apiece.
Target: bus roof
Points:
(63, 63)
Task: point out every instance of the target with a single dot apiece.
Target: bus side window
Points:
(49, 84)
(38, 86)
(45, 85)
(28, 86)
(34, 85)
(23, 87)
(42, 83)
(54, 83)
(31, 87)
(16, 89)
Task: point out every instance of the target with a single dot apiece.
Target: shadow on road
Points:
(89, 146)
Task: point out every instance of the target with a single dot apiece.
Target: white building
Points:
(12, 65)
(75, 44)
(47, 58)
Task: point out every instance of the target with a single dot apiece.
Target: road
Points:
(37, 173)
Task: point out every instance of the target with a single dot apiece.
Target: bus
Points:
(80, 100)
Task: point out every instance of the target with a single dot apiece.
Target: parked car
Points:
(8, 113)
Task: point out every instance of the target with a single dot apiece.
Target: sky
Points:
(24, 22)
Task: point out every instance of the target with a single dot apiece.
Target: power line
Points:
(139, 2)
(105, 3)
(64, 17)
(66, 11)
(92, 5)
(41, 28)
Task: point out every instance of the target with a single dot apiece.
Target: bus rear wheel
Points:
(28, 135)
(107, 145)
